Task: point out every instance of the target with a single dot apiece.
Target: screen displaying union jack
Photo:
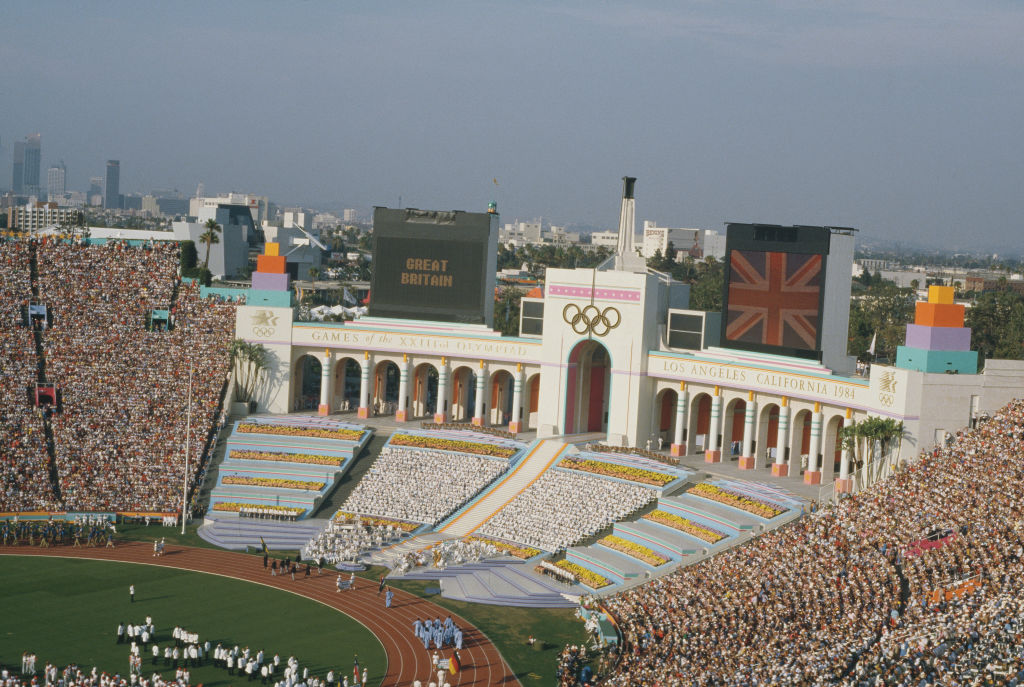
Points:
(774, 299)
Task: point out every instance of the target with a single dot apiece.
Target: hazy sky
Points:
(903, 119)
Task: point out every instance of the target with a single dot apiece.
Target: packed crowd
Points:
(24, 461)
(421, 485)
(845, 595)
(563, 507)
(120, 437)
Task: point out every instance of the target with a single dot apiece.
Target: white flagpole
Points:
(188, 432)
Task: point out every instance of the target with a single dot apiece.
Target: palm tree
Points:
(250, 363)
(209, 237)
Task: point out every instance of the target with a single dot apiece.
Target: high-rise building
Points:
(56, 181)
(112, 187)
(33, 163)
(18, 173)
(27, 159)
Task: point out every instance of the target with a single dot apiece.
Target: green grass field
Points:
(67, 611)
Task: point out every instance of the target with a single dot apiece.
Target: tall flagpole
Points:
(188, 434)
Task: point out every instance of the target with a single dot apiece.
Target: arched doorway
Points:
(306, 385)
(589, 381)
(347, 372)
(767, 436)
(832, 449)
(665, 415)
(532, 402)
(700, 423)
(800, 443)
(424, 391)
(385, 388)
(501, 398)
(732, 428)
(463, 394)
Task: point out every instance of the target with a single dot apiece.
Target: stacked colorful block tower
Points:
(270, 282)
(938, 341)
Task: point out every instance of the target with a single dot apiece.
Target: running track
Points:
(482, 664)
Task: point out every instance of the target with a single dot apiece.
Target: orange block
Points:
(274, 264)
(275, 249)
(939, 314)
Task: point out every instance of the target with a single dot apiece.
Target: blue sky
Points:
(902, 119)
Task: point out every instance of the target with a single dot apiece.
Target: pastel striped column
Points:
(678, 447)
(481, 386)
(813, 473)
(325, 385)
(441, 410)
(402, 410)
(364, 387)
(780, 468)
(515, 425)
(713, 454)
(747, 460)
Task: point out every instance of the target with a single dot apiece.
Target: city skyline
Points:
(900, 121)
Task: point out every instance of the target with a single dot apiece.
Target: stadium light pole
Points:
(188, 433)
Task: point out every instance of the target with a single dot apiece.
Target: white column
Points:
(325, 385)
(515, 424)
(364, 386)
(845, 483)
(402, 409)
(481, 388)
(813, 472)
(678, 448)
(713, 453)
(779, 467)
(441, 411)
(747, 460)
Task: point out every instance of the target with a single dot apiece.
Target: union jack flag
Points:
(773, 298)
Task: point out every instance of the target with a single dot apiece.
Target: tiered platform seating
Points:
(682, 530)
(634, 469)
(563, 506)
(284, 463)
(424, 476)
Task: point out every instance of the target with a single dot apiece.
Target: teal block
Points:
(273, 299)
(960, 362)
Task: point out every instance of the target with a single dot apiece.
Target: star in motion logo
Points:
(264, 318)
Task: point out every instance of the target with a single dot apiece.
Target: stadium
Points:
(721, 498)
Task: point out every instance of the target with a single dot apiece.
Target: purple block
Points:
(269, 282)
(939, 338)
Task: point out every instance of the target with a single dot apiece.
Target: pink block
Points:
(269, 282)
(939, 338)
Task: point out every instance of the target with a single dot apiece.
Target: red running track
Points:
(482, 664)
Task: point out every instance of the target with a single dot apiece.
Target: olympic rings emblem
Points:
(591, 319)
(263, 332)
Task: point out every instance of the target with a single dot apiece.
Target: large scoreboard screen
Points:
(774, 288)
(433, 265)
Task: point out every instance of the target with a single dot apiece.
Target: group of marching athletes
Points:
(44, 533)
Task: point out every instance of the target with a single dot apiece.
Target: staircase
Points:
(232, 532)
(539, 459)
